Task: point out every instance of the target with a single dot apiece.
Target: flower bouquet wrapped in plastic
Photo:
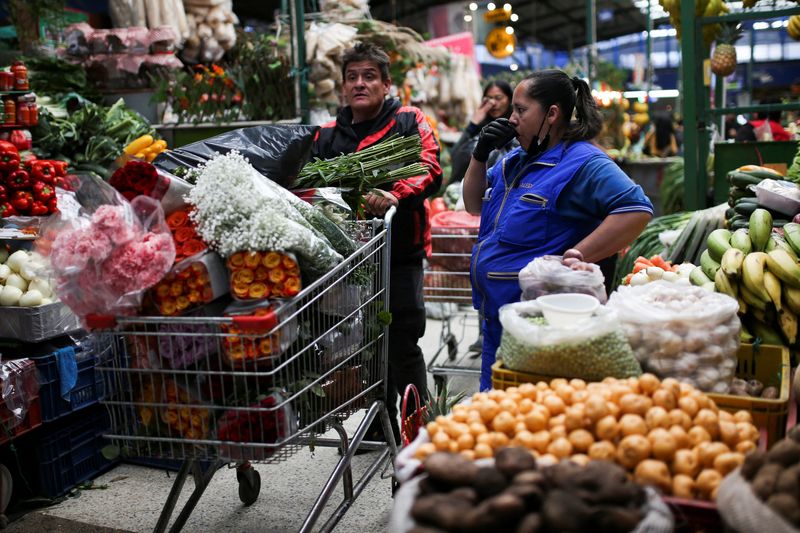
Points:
(105, 252)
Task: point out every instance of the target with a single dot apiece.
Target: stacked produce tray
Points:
(89, 387)
(71, 451)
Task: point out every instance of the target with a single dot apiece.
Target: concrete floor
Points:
(133, 496)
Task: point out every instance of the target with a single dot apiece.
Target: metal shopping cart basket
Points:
(447, 280)
(327, 359)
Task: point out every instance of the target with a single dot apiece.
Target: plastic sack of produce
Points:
(193, 283)
(264, 337)
(687, 333)
(274, 421)
(453, 232)
(18, 389)
(547, 275)
(742, 510)
(278, 151)
(104, 251)
(591, 349)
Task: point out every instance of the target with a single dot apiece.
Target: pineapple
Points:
(723, 60)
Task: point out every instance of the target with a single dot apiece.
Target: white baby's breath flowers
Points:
(238, 209)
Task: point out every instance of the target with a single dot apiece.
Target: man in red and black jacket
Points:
(368, 118)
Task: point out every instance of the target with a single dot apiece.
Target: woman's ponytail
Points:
(588, 120)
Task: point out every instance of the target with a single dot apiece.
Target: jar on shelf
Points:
(20, 72)
(34, 109)
(9, 111)
(23, 111)
(6, 80)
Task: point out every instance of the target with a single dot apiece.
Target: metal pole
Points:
(719, 101)
(591, 40)
(694, 189)
(649, 72)
(301, 75)
(751, 63)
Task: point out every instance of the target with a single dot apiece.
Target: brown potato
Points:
(657, 417)
(683, 486)
(665, 398)
(649, 383)
(581, 440)
(596, 407)
(708, 420)
(689, 405)
(728, 433)
(707, 481)
(678, 417)
(728, 462)
(656, 473)
(602, 450)
(680, 436)
(707, 452)
(686, 462)
(607, 428)
(663, 444)
(631, 424)
(632, 450)
(635, 404)
(697, 435)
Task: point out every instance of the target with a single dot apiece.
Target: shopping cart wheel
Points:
(249, 483)
(452, 347)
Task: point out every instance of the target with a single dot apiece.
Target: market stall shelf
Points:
(207, 412)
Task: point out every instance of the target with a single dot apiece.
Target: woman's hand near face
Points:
(480, 114)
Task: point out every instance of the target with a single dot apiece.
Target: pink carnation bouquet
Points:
(105, 260)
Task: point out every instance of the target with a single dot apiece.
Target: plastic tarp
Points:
(278, 151)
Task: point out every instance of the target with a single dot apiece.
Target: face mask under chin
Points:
(536, 149)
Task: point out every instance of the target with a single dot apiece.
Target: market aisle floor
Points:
(134, 495)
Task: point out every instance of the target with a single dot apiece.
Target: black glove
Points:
(494, 135)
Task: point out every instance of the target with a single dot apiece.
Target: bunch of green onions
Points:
(368, 168)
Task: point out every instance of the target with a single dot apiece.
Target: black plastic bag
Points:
(278, 151)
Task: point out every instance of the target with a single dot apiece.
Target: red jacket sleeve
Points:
(429, 183)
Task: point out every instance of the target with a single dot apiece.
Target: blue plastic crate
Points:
(72, 452)
(89, 387)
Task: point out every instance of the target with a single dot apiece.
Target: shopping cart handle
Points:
(97, 321)
(256, 323)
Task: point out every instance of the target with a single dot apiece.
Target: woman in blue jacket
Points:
(555, 194)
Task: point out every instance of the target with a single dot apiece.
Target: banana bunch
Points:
(742, 198)
(703, 8)
(760, 269)
(794, 27)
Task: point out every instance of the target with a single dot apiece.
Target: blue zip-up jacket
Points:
(519, 221)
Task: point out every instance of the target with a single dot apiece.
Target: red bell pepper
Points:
(7, 210)
(19, 179)
(52, 205)
(42, 191)
(39, 209)
(21, 201)
(43, 170)
(61, 168)
(9, 157)
(3, 193)
(27, 159)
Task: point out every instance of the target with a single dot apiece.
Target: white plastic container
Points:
(778, 195)
(564, 309)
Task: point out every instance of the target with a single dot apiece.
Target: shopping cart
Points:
(326, 359)
(447, 280)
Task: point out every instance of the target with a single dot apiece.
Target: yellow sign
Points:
(497, 15)
(500, 44)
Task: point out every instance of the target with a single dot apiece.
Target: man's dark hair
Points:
(366, 52)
